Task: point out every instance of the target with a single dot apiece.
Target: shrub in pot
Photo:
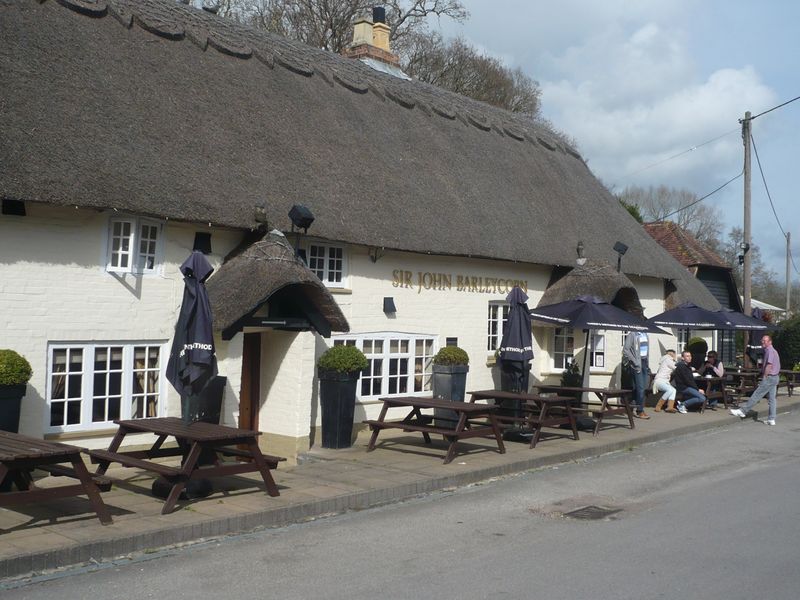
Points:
(698, 347)
(15, 372)
(338, 369)
(450, 367)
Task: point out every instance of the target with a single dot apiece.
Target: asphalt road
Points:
(713, 515)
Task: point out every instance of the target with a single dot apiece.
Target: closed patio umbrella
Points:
(192, 362)
(516, 347)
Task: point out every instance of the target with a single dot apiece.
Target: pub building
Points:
(135, 132)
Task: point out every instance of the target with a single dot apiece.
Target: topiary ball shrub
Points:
(451, 356)
(699, 348)
(14, 368)
(343, 359)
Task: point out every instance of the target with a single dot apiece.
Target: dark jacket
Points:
(682, 377)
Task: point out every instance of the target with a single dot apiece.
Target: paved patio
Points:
(65, 532)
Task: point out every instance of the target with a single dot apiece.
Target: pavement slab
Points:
(38, 538)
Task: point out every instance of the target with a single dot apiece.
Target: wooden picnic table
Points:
(603, 396)
(20, 455)
(743, 383)
(535, 411)
(715, 389)
(193, 439)
(473, 420)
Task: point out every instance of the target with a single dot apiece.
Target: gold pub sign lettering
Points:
(463, 283)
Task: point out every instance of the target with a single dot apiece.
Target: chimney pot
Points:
(378, 14)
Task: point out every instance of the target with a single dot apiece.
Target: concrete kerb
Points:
(123, 547)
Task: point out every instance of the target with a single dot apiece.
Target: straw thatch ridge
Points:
(250, 278)
(156, 108)
(594, 279)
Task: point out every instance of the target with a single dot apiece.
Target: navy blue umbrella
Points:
(691, 316)
(192, 361)
(741, 321)
(590, 312)
(516, 347)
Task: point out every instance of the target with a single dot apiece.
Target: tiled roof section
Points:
(682, 245)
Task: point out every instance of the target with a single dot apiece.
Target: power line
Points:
(669, 158)
(674, 212)
(773, 108)
(769, 196)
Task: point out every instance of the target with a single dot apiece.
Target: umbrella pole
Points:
(585, 361)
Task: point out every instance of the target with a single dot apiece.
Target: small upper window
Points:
(328, 263)
(133, 246)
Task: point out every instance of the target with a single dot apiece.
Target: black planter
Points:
(449, 383)
(337, 399)
(10, 403)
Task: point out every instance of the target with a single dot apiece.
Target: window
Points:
(597, 350)
(683, 339)
(498, 315)
(398, 363)
(563, 347)
(133, 246)
(90, 385)
(328, 263)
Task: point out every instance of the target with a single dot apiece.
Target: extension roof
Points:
(683, 246)
(157, 108)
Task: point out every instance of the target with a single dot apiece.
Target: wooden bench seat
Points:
(104, 456)
(102, 483)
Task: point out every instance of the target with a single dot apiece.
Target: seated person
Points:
(661, 382)
(683, 379)
(712, 368)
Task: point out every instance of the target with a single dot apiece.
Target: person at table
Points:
(661, 382)
(635, 351)
(768, 386)
(685, 383)
(712, 368)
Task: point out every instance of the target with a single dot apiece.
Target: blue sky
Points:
(637, 82)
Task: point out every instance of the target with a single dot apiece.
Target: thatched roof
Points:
(157, 108)
(269, 271)
(594, 279)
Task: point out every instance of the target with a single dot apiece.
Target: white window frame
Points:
(134, 241)
(495, 322)
(565, 333)
(325, 273)
(87, 392)
(429, 348)
(596, 337)
(683, 336)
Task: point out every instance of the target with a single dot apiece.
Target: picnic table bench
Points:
(193, 440)
(603, 396)
(473, 420)
(535, 411)
(715, 388)
(20, 455)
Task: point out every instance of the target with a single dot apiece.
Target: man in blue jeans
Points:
(683, 379)
(768, 386)
(635, 352)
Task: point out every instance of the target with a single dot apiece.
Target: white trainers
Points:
(682, 409)
(769, 422)
(737, 413)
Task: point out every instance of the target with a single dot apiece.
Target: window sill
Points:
(74, 435)
(338, 290)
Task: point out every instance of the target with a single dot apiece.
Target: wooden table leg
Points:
(453, 439)
(498, 433)
(100, 509)
(538, 432)
(603, 407)
(572, 422)
(263, 468)
(376, 430)
(178, 484)
(116, 442)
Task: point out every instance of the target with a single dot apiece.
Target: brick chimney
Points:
(371, 39)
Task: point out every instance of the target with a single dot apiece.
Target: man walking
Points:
(768, 386)
(635, 351)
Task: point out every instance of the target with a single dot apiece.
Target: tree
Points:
(677, 205)
(457, 66)
(328, 24)
(633, 209)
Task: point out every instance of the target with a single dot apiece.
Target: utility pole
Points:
(747, 274)
(788, 273)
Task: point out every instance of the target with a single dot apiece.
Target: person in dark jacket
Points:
(685, 384)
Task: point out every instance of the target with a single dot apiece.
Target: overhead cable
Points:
(674, 212)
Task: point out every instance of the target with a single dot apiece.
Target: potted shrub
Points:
(338, 370)
(450, 367)
(698, 347)
(15, 372)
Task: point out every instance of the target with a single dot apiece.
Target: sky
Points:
(652, 91)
